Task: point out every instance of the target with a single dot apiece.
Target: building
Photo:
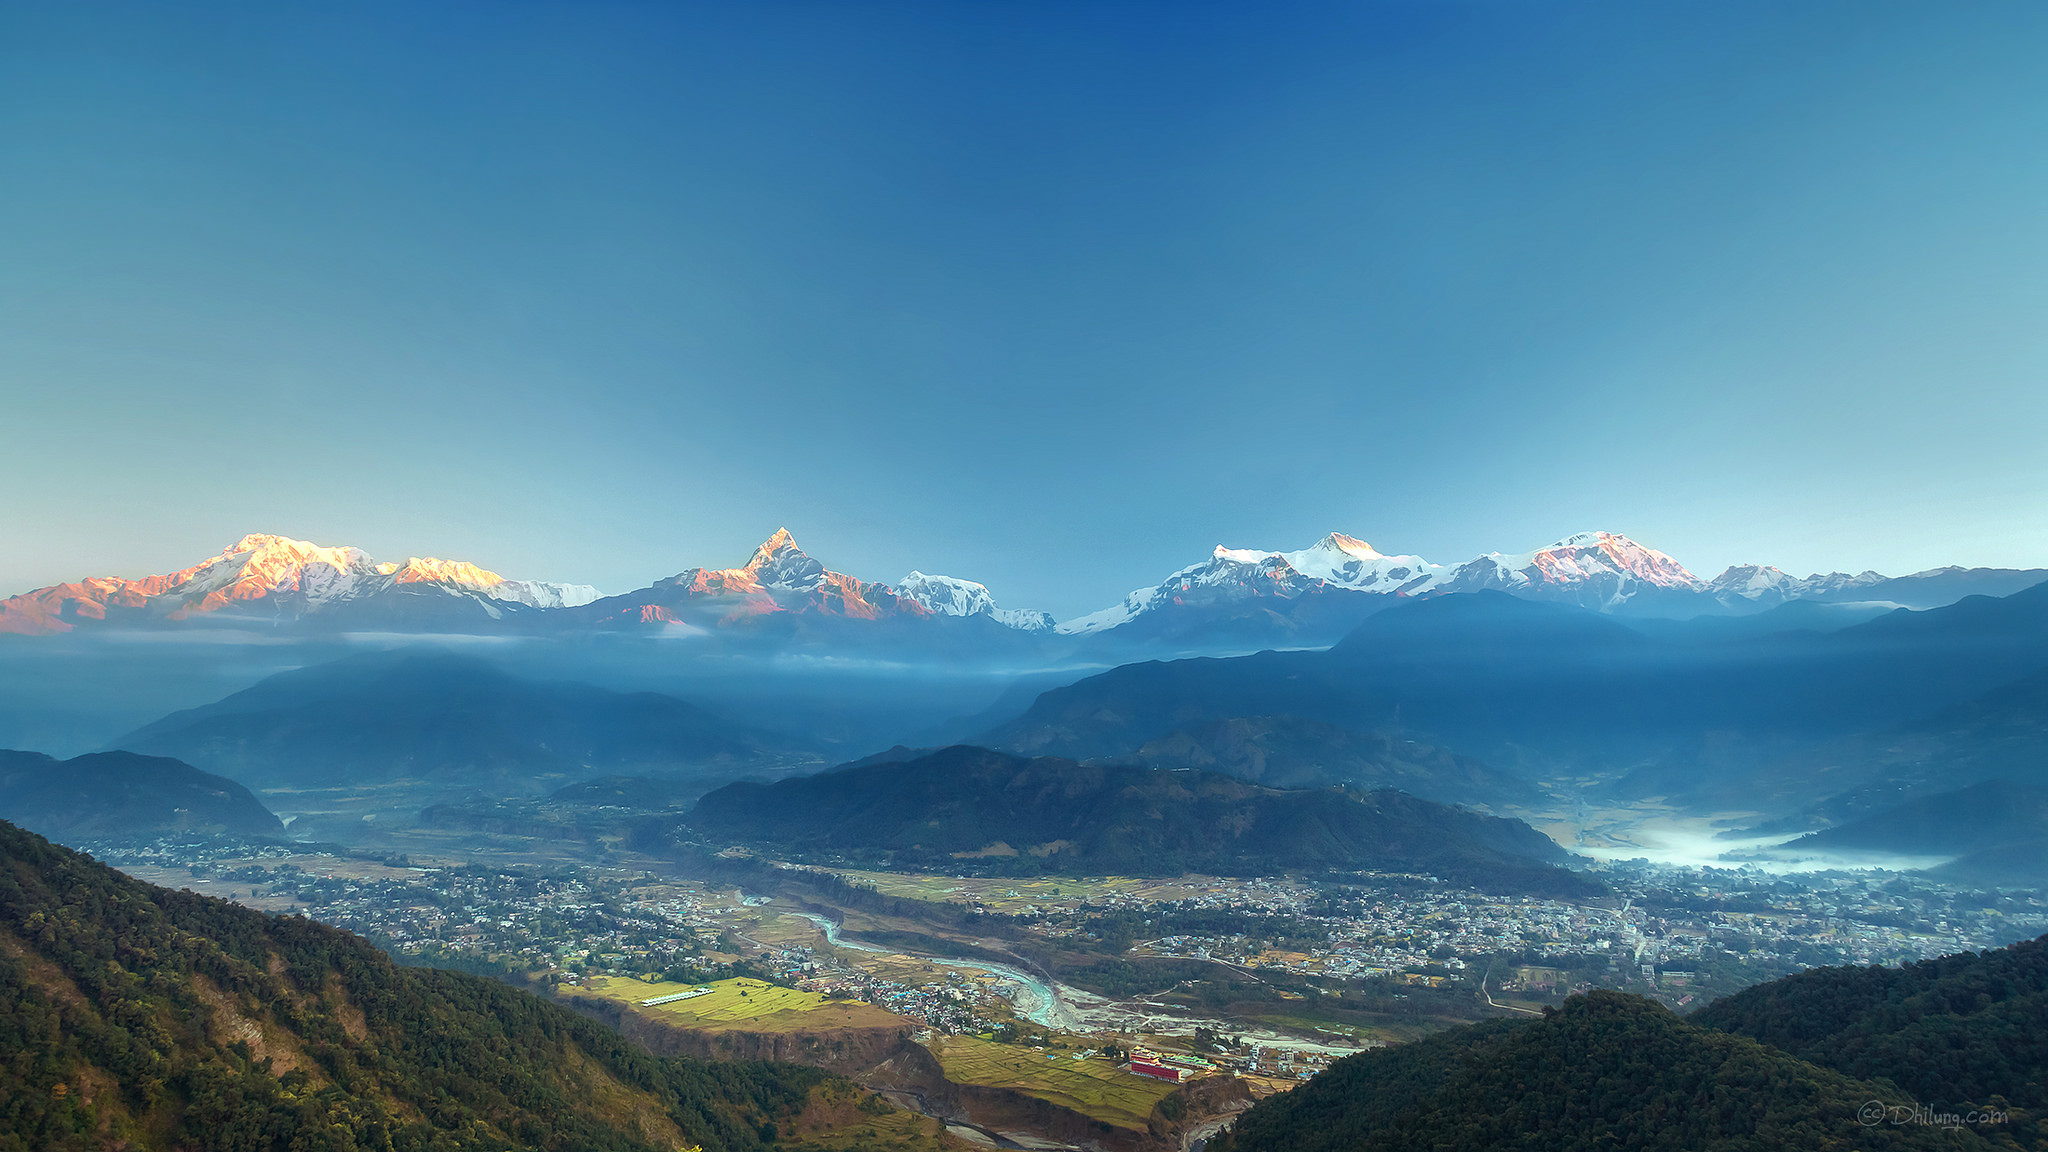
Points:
(1144, 1063)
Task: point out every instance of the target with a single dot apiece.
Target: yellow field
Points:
(742, 1006)
(1093, 1087)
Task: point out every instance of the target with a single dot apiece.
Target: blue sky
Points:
(1051, 296)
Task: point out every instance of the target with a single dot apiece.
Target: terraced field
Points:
(742, 1006)
(1093, 1087)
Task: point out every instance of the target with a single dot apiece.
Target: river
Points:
(1035, 1000)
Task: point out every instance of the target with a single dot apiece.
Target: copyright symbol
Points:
(1871, 1114)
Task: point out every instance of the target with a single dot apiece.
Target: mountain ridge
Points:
(269, 581)
(113, 796)
(443, 716)
(1050, 814)
(137, 1017)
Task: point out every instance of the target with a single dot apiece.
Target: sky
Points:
(1052, 296)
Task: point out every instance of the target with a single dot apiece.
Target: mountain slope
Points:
(1538, 688)
(122, 796)
(2003, 733)
(1608, 1070)
(1952, 1032)
(1052, 814)
(1288, 752)
(1475, 672)
(142, 1018)
(446, 717)
(1987, 821)
(2000, 734)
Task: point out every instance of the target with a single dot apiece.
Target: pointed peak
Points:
(778, 544)
(779, 563)
(1349, 545)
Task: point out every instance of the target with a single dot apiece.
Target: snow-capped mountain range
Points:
(782, 578)
(272, 580)
(952, 596)
(276, 580)
(1604, 571)
(280, 579)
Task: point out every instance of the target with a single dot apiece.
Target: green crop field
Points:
(1093, 1087)
(742, 1005)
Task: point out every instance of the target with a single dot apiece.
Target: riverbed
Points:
(1036, 1000)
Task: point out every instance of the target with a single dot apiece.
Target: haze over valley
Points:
(1108, 578)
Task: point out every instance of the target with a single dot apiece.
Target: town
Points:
(1681, 935)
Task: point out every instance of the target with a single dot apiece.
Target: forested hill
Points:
(1794, 1063)
(121, 796)
(1954, 1031)
(135, 1017)
(1608, 1070)
(1050, 814)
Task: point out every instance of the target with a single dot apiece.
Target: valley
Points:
(1018, 984)
(1072, 905)
(1108, 577)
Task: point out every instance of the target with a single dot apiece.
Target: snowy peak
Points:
(1349, 562)
(776, 565)
(1594, 555)
(951, 596)
(463, 574)
(779, 563)
(1759, 585)
(1350, 546)
(781, 577)
(432, 570)
(1753, 582)
(261, 567)
(1237, 574)
(1600, 570)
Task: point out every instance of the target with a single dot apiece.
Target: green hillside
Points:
(135, 1017)
(1607, 1071)
(1957, 1031)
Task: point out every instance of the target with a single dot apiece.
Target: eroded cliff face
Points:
(890, 1061)
(913, 1078)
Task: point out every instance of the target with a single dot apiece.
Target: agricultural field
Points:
(742, 1005)
(1014, 894)
(1092, 1086)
